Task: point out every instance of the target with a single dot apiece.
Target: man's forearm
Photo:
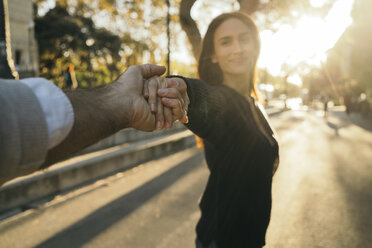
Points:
(98, 113)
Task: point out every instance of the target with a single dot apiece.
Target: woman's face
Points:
(234, 47)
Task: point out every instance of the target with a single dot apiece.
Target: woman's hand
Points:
(163, 115)
(168, 98)
(175, 97)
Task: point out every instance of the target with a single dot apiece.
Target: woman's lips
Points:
(240, 60)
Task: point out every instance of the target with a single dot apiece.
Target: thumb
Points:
(150, 70)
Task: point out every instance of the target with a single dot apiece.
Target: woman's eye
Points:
(245, 39)
(225, 42)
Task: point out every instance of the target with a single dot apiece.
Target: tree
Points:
(65, 39)
(141, 26)
(350, 61)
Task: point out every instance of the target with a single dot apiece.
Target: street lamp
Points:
(30, 66)
(7, 69)
(168, 36)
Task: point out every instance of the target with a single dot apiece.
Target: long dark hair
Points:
(211, 72)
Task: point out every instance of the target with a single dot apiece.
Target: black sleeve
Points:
(212, 111)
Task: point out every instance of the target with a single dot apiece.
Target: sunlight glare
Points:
(295, 79)
(317, 3)
(305, 42)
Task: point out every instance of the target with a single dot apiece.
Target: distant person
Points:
(70, 78)
(325, 103)
(348, 102)
(240, 146)
(41, 125)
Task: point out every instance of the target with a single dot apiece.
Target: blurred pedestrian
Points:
(325, 100)
(348, 102)
(69, 77)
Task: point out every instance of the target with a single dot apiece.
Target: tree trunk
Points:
(249, 6)
(189, 26)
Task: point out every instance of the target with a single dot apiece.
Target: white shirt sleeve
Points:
(57, 108)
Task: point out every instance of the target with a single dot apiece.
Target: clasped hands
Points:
(167, 99)
(152, 102)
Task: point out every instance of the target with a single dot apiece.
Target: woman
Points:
(240, 148)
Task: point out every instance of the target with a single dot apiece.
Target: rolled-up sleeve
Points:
(23, 131)
(56, 107)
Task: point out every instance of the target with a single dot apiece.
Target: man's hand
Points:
(131, 83)
(103, 111)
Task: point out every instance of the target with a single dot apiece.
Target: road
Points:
(322, 195)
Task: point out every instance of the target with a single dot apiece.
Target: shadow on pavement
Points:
(342, 121)
(354, 176)
(97, 222)
(354, 118)
(363, 122)
(356, 186)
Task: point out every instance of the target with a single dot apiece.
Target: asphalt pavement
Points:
(322, 195)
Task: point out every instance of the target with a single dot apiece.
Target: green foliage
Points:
(65, 39)
(128, 32)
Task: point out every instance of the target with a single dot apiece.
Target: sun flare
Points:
(306, 41)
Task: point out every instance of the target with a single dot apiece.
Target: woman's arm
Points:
(211, 111)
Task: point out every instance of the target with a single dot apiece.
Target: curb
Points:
(64, 176)
(130, 135)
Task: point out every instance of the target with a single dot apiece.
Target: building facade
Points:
(22, 35)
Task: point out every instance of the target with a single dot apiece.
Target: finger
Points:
(168, 116)
(175, 94)
(170, 93)
(152, 88)
(159, 115)
(184, 119)
(181, 86)
(162, 83)
(173, 82)
(175, 105)
(167, 113)
(146, 89)
(150, 70)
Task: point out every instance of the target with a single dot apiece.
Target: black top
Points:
(241, 153)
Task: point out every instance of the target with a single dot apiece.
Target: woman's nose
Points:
(238, 47)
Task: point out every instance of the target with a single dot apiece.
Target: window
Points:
(18, 57)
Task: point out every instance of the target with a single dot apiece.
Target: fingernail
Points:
(152, 107)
